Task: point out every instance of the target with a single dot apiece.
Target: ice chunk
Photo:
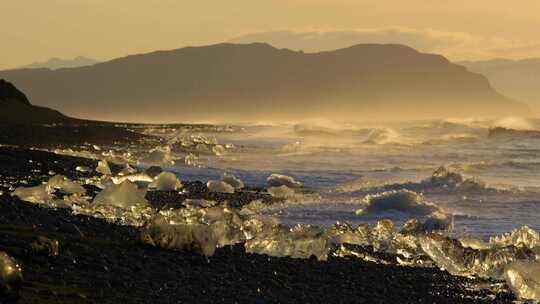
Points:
(277, 180)
(297, 242)
(522, 237)
(344, 233)
(83, 169)
(159, 155)
(405, 201)
(166, 181)
(37, 194)
(43, 193)
(103, 168)
(219, 150)
(64, 185)
(281, 192)
(451, 255)
(219, 186)
(136, 177)
(232, 180)
(124, 195)
(192, 237)
(523, 278)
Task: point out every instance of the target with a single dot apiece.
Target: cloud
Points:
(454, 45)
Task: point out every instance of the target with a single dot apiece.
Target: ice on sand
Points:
(124, 195)
(219, 186)
(166, 181)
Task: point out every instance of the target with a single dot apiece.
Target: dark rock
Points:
(45, 246)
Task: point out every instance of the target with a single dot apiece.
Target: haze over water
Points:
(341, 163)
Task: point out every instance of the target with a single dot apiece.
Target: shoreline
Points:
(104, 263)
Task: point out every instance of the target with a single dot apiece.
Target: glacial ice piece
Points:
(451, 255)
(523, 278)
(192, 237)
(43, 193)
(382, 235)
(37, 194)
(405, 201)
(201, 229)
(232, 180)
(297, 242)
(124, 195)
(474, 243)
(166, 181)
(159, 156)
(281, 192)
(344, 233)
(522, 237)
(219, 186)
(135, 177)
(103, 168)
(64, 185)
(83, 169)
(219, 150)
(277, 180)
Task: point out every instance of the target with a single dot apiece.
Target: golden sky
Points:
(36, 30)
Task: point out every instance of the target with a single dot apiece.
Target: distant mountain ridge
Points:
(16, 108)
(238, 82)
(515, 78)
(59, 63)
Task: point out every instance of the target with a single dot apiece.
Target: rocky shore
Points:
(68, 258)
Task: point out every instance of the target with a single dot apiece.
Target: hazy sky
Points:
(35, 30)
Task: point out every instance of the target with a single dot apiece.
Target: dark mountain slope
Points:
(259, 82)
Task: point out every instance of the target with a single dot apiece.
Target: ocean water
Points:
(339, 164)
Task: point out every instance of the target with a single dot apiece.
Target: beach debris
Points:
(277, 180)
(219, 186)
(166, 181)
(123, 195)
(103, 168)
(10, 277)
(523, 278)
(232, 180)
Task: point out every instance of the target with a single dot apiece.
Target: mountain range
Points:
(519, 79)
(59, 63)
(254, 82)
